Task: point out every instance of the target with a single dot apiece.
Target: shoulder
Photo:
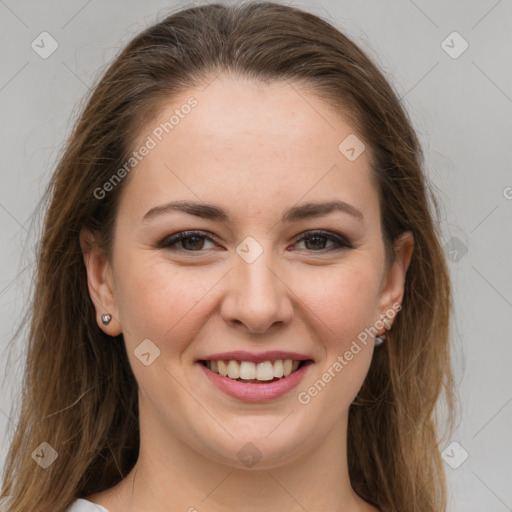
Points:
(81, 505)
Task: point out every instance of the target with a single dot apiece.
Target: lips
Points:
(255, 376)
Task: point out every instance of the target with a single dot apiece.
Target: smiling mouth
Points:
(249, 372)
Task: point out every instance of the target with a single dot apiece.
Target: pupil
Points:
(193, 237)
(316, 237)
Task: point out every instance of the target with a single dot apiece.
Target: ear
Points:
(100, 282)
(392, 291)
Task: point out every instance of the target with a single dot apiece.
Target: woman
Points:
(241, 300)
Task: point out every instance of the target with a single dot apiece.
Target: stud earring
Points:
(106, 319)
(379, 340)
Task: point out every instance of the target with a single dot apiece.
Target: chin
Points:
(257, 452)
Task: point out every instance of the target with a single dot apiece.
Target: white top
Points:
(81, 505)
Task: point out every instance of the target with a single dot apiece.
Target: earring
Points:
(106, 319)
(379, 340)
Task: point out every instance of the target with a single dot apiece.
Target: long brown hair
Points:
(79, 393)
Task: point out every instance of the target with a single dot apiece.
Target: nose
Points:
(257, 297)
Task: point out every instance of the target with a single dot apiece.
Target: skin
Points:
(254, 150)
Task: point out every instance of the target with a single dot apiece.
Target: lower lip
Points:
(251, 392)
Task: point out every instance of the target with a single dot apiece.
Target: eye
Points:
(194, 241)
(191, 241)
(319, 239)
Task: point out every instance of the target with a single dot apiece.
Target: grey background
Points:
(461, 108)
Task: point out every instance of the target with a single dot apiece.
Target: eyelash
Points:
(170, 241)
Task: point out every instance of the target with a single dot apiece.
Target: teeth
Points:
(264, 371)
(222, 368)
(278, 368)
(233, 370)
(247, 370)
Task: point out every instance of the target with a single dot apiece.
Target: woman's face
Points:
(247, 159)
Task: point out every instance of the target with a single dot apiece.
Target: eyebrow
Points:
(292, 214)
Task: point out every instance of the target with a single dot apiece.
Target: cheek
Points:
(343, 298)
(158, 300)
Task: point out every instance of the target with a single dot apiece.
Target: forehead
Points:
(251, 146)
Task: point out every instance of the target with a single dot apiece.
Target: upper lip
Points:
(243, 355)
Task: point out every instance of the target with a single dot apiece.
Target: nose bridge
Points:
(257, 277)
(256, 297)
